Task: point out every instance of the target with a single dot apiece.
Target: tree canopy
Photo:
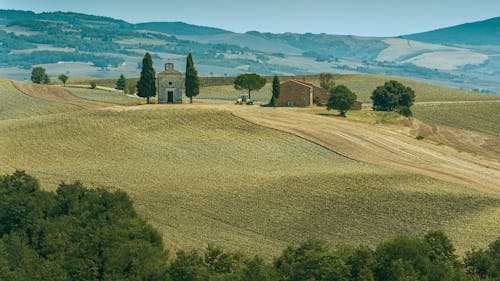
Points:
(392, 95)
(76, 233)
(341, 99)
(63, 77)
(39, 75)
(146, 86)
(121, 83)
(250, 82)
(192, 82)
(326, 81)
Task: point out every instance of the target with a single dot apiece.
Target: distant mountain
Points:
(180, 28)
(485, 32)
(79, 44)
(75, 19)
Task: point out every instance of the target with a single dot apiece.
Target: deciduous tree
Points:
(341, 99)
(249, 82)
(391, 95)
(63, 77)
(326, 81)
(39, 75)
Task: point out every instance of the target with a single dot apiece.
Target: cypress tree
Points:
(276, 90)
(121, 83)
(192, 82)
(146, 86)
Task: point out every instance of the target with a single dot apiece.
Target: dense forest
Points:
(77, 233)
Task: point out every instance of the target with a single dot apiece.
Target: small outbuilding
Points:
(300, 93)
(169, 85)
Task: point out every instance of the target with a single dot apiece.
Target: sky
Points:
(354, 17)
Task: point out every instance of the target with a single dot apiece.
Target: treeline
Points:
(77, 233)
(45, 57)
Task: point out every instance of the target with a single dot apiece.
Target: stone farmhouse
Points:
(169, 85)
(300, 93)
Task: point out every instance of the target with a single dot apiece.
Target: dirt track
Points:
(381, 145)
(55, 93)
(376, 144)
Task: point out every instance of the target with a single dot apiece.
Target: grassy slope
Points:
(482, 117)
(14, 104)
(103, 96)
(363, 86)
(205, 176)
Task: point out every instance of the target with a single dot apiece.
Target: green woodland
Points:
(77, 233)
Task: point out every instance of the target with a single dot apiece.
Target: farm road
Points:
(380, 145)
(376, 144)
(55, 93)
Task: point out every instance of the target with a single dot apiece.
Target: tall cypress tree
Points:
(276, 90)
(192, 82)
(146, 86)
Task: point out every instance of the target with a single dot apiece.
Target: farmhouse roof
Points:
(302, 82)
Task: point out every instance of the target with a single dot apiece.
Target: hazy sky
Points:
(357, 17)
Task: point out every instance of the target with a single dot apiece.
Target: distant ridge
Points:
(485, 32)
(464, 56)
(181, 28)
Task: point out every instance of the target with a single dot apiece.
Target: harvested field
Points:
(483, 117)
(14, 104)
(104, 96)
(203, 174)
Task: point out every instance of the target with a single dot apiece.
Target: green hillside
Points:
(485, 32)
(180, 28)
(79, 44)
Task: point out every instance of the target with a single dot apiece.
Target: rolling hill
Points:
(485, 32)
(79, 44)
(180, 28)
(203, 173)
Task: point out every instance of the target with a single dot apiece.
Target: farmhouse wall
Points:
(294, 94)
(320, 96)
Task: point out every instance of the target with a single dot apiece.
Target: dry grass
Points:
(363, 86)
(228, 92)
(104, 96)
(14, 104)
(482, 117)
(204, 176)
